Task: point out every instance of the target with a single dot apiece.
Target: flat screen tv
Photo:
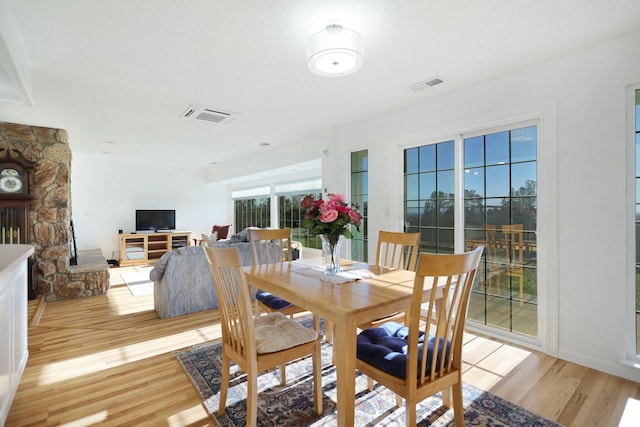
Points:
(155, 219)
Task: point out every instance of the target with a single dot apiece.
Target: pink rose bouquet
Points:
(332, 217)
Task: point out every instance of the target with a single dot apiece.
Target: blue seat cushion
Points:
(271, 300)
(386, 347)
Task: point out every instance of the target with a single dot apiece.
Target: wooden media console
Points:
(147, 248)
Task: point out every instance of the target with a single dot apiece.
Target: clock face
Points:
(10, 181)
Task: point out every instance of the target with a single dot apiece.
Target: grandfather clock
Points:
(15, 196)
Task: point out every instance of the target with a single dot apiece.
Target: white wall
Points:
(106, 193)
(580, 100)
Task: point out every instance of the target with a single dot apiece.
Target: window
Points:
(637, 217)
(254, 212)
(359, 197)
(429, 195)
(290, 214)
(251, 207)
(499, 210)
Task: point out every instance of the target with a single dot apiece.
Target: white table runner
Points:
(345, 276)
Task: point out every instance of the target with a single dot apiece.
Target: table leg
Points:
(344, 347)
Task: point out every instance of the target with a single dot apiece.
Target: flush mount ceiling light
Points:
(335, 51)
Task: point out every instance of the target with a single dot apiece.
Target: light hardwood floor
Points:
(107, 360)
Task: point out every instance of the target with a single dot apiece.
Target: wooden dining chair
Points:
(395, 250)
(269, 246)
(422, 358)
(258, 343)
(494, 263)
(514, 247)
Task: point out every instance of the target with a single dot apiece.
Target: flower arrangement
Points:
(331, 217)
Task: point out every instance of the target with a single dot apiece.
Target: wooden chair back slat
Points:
(447, 311)
(397, 250)
(238, 334)
(270, 246)
(443, 322)
(233, 299)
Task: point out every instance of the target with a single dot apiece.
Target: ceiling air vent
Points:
(207, 115)
(434, 81)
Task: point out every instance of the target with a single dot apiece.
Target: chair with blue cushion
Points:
(395, 250)
(270, 246)
(396, 356)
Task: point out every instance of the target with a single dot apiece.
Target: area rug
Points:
(292, 404)
(138, 282)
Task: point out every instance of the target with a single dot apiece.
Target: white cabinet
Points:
(13, 321)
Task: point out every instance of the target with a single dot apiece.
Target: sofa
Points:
(183, 282)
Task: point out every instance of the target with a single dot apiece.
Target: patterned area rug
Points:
(292, 405)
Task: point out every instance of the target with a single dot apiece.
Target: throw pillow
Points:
(243, 236)
(222, 230)
(207, 239)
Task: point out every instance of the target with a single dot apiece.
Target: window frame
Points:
(240, 227)
(632, 358)
(364, 211)
(272, 191)
(544, 116)
(276, 197)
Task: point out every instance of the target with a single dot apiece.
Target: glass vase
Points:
(331, 246)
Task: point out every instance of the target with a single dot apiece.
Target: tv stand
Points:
(147, 248)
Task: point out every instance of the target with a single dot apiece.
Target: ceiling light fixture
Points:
(335, 51)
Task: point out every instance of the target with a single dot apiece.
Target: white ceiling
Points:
(117, 74)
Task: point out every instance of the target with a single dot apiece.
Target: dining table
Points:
(359, 293)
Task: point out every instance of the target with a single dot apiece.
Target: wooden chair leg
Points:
(410, 413)
(446, 397)
(252, 398)
(458, 409)
(317, 379)
(224, 385)
(333, 354)
(521, 280)
(370, 383)
(283, 374)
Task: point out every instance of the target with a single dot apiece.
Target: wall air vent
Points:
(426, 84)
(199, 113)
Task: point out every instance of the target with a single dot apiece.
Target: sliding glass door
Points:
(498, 171)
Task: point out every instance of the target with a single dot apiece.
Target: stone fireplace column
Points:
(50, 212)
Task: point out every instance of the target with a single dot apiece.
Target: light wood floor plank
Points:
(108, 360)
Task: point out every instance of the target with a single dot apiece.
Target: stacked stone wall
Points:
(50, 211)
